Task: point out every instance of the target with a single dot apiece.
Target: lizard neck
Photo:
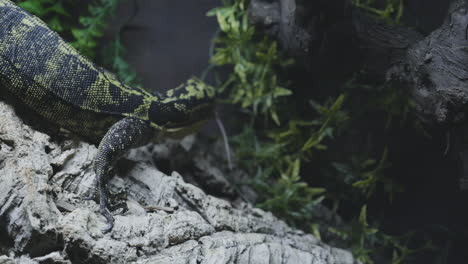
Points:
(183, 107)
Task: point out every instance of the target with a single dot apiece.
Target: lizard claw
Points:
(104, 212)
(109, 218)
(91, 197)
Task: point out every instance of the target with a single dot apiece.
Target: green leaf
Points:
(55, 24)
(35, 7)
(79, 34)
(58, 8)
(280, 91)
(275, 117)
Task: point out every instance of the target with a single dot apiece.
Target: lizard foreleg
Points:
(128, 133)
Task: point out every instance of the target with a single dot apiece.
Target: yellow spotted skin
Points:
(54, 80)
(51, 78)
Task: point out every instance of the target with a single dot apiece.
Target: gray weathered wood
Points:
(44, 218)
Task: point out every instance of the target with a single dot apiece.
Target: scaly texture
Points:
(53, 79)
(46, 74)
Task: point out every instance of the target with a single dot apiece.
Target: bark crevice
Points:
(434, 67)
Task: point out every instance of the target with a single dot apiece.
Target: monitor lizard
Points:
(50, 77)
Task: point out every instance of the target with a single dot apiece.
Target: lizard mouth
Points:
(182, 125)
(178, 131)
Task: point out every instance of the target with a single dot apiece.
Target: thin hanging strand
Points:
(225, 139)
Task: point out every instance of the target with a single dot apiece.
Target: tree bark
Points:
(336, 34)
(44, 217)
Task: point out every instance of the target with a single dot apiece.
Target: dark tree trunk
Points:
(336, 37)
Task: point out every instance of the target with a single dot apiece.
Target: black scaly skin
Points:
(51, 78)
(123, 135)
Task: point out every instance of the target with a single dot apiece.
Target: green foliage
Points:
(252, 152)
(51, 11)
(330, 117)
(119, 65)
(299, 139)
(277, 159)
(367, 174)
(304, 137)
(92, 26)
(394, 101)
(82, 30)
(253, 82)
(360, 236)
(366, 240)
(369, 179)
(289, 197)
(390, 13)
(274, 157)
(275, 152)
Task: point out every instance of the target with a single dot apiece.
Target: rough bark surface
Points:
(437, 68)
(434, 68)
(44, 218)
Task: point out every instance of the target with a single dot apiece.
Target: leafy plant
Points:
(93, 24)
(253, 82)
(115, 59)
(360, 237)
(366, 175)
(52, 11)
(395, 101)
(278, 141)
(366, 240)
(291, 198)
(390, 13)
(277, 158)
(369, 179)
(82, 30)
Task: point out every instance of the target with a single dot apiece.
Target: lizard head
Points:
(184, 109)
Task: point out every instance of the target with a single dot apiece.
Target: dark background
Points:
(167, 41)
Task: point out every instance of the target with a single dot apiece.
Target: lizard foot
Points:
(91, 197)
(109, 218)
(119, 203)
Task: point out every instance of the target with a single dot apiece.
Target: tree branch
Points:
(334, 33)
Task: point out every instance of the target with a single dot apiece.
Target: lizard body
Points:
(51, 78)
